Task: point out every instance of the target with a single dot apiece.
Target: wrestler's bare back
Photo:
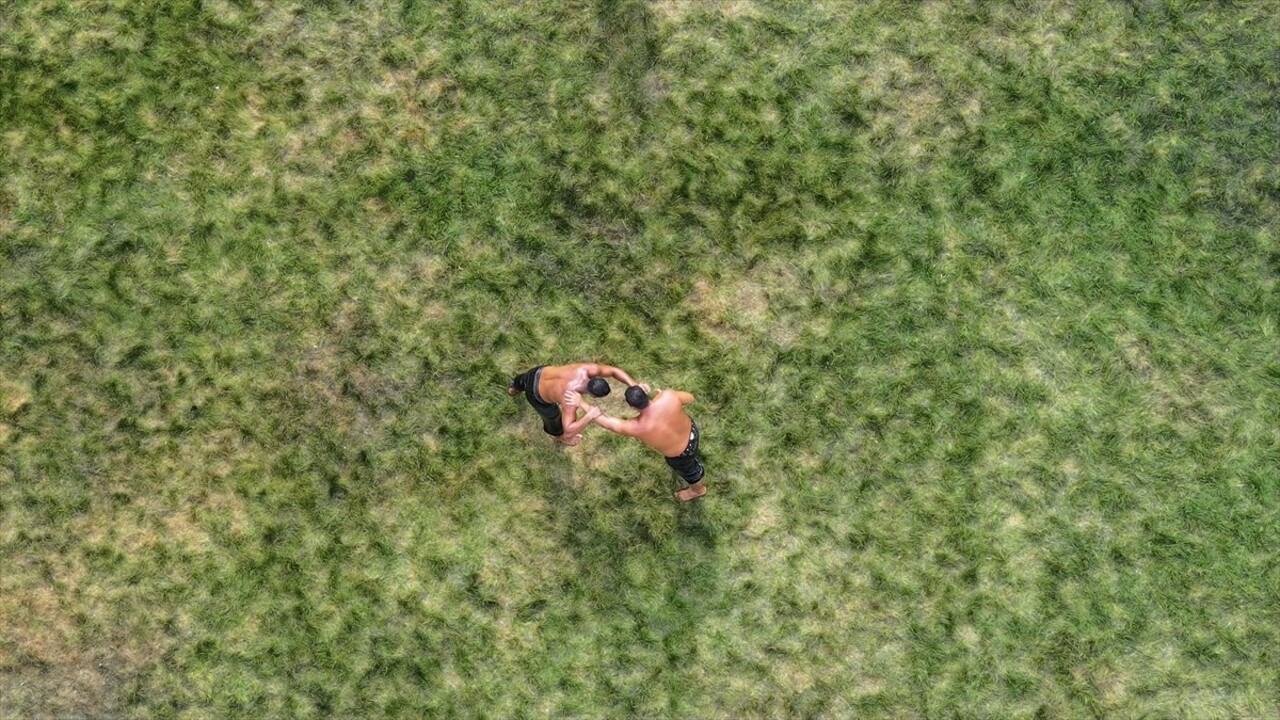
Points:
(663, 425)
(556, 379)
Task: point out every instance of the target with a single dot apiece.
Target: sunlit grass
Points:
(978, 302)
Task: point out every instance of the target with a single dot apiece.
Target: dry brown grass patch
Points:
(749, 308)
(14, 395)
(764, 519)
(673, 11)
(48, 668)
(910, 104)
(1136, 353)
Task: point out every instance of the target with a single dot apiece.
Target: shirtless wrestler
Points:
(553, 381)
(662, 425)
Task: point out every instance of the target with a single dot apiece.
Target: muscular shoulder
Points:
(667, 401)
(562, 372)
(644, 425)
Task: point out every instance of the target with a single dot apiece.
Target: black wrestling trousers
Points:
(686, 463)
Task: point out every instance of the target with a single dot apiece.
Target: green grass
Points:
(979, 304)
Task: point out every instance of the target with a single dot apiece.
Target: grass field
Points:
(979, 302)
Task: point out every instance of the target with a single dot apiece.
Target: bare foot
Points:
(695, 490)
(512, 391)
(570, 441)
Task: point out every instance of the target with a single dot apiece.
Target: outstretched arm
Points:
(613, 372)
(575, 427)
(618, 425)
(569, 406)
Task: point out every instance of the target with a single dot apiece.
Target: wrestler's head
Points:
(637, 397)
(598, 386)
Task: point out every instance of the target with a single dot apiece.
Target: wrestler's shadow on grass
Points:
(630, 538)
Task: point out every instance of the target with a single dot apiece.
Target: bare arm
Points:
(613, 372)
(569, 406)
(576, 426)
(618, 425)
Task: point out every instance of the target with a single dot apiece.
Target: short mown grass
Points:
(979, 303)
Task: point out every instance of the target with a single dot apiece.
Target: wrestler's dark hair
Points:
(637, 397)
(598, 386)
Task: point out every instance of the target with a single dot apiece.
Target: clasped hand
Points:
(573, 399)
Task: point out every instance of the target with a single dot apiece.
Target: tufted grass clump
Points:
(979, 304)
